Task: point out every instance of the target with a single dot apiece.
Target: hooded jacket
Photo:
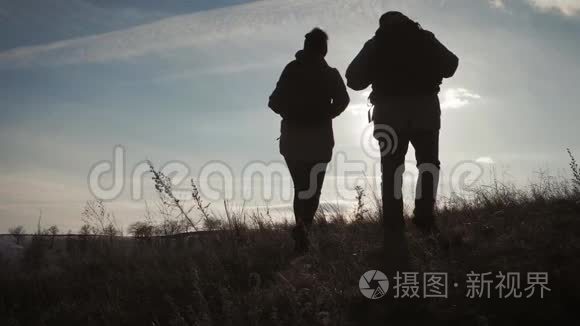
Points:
(405, 65)
(402, 60)
(308, 95)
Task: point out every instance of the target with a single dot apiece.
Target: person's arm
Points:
(446, 60)
(359, 72)
(279, 101)
(340, 98)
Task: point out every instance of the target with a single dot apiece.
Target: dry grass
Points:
(244, 272)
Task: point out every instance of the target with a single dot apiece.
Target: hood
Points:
(307, 58)
(402, 31)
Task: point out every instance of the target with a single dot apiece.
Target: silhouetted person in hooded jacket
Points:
(405, 65)
(308, 96)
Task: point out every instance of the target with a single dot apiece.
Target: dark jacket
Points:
(308, 96)
(401, 62)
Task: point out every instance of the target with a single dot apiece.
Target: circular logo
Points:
(373, 284)
(378, 140)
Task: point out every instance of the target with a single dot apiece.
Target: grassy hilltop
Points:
(245, 272)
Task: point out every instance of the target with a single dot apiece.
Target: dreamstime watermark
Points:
(379, 140)
(266, 181)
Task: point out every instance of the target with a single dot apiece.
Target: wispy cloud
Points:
(497, 4)
(565, 7)
(452, 98)
(360, 103)
(485, 160)
(243, 24)
(225, 69)
(456, 98)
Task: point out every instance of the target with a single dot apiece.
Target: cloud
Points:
(244, 25)
(247, 25)
(485, 160)
(456, 98)
(497, 4)
(565, 7)
(224, 69)
(360, 103)
(452, 98)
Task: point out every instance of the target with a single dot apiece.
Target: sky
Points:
(187, 82)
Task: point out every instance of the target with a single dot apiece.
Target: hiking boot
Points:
(426, 225)
(301, 242)
(396, 252)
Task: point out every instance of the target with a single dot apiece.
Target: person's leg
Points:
(392, 168)
(426, 144)
(300, 177)
(311, 196)
(298, 173)
(394, 242)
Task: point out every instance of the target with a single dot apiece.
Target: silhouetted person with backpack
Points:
(308, 96)
(405, 65)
